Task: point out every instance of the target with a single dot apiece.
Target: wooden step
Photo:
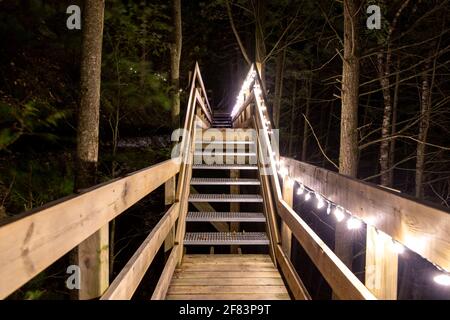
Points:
(227, 277)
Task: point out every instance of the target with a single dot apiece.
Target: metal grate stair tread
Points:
(224, 181)
(225, 142)
(208, 216)
(226, 154)
(226, 238)
(204, 197)
(225, 167)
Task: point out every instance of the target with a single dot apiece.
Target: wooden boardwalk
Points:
(227, 277)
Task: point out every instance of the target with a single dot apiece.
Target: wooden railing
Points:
(32, 241)
(402, 218)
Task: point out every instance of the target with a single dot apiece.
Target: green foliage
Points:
(34, 118)
(33, 294)
(37, 180)
(135, 34)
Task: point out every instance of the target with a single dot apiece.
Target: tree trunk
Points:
(293, 118)
(327, 136)
(383, 74)
(424, 125)
(305, 123)
(143, 73)
(260, 46)
(93, 252)
(348, 151)
(394, 125)
(279, 75)
(175, 57)
(236, 34)
(425, 109)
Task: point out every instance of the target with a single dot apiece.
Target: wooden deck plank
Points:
(227, 277)
(276, 281)
(227, 257)
(248, 268)
(197, 289)
(228, 274)
(228, 264)
(266, 296)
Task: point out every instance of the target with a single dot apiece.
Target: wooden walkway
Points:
(227, 277)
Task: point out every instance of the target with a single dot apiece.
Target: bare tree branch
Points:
(236, 34)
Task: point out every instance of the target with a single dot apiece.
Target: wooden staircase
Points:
(226, 174)
(225, 156)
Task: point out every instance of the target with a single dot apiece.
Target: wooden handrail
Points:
(208, 111)
(422, 227)
(33, 240)
(125, 284)
(196, 102)
(164, 280)
(343, 282)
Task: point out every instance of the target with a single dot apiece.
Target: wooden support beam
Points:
(32, 241)
(288, 197)
(269, 210)
(234, 207)
(422, 227)
(341, 280)
(93, 260)
(169, 199)
(381, 265)
(131, 275)
(205, 206)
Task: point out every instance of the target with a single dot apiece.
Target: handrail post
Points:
(381, 265)
(286, 233)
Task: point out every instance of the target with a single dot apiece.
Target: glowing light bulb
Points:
(353, 224)
(301, 189)
(329, 208)
(257, 90)
(339, 214)
(398, 247)
(442, 279)
(284, 171)
(320, 202)
(307, 196)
